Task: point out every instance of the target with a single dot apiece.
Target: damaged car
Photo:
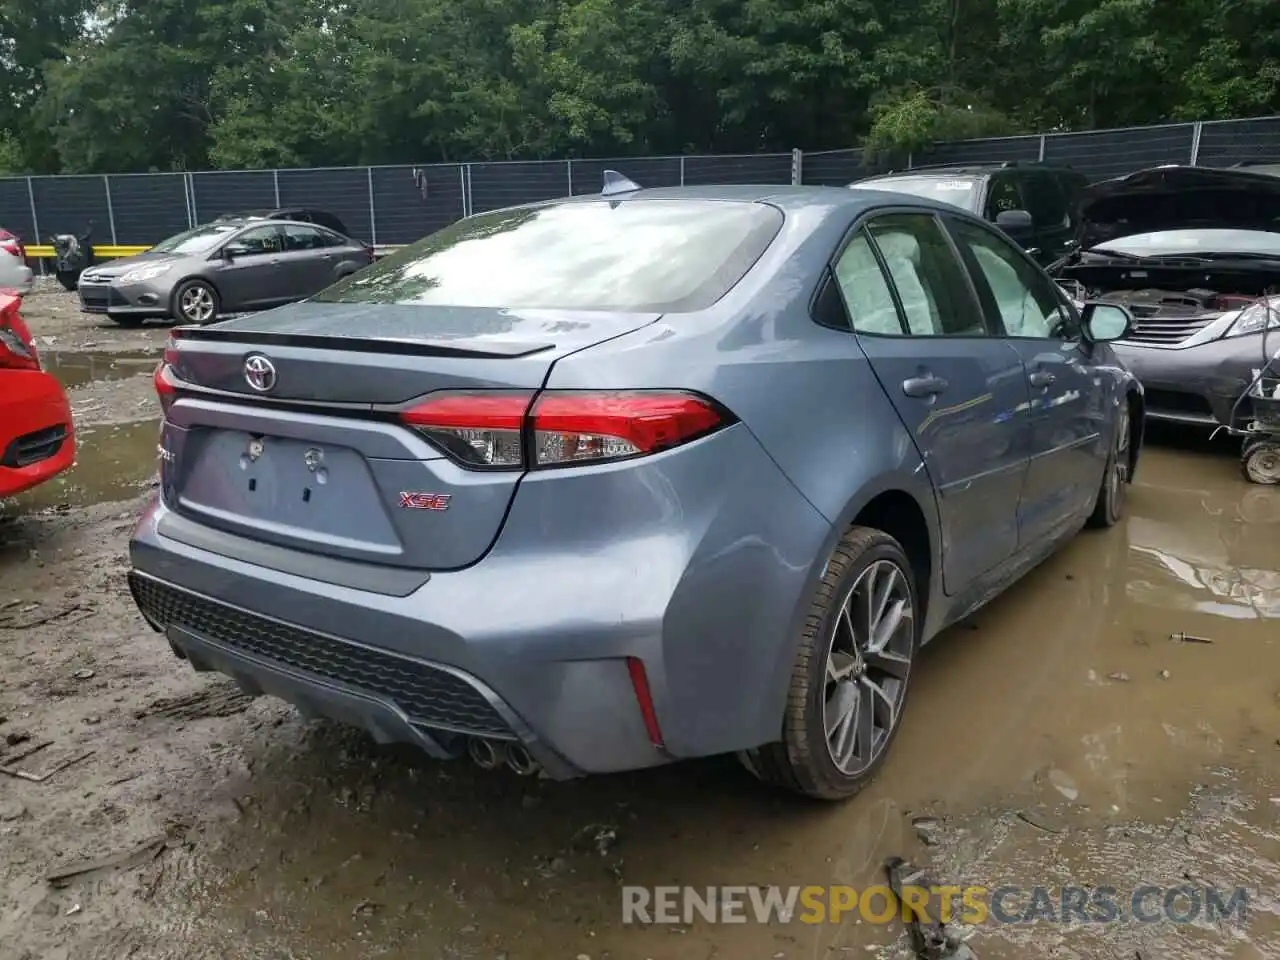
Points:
(1194, 254)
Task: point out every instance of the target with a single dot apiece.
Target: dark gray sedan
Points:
(229, 266)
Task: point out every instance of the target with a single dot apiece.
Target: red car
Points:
(37, 439)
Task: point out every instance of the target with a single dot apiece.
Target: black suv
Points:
(297, 214)
(1034, 203)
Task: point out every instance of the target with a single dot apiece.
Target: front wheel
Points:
(851, 673)
(1261, 462)
(195, 302)
(1114, 492)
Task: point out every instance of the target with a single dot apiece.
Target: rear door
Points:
(308, 263)
(1066, 413)
(958, 389)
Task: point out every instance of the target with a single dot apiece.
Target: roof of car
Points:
(784, 197)
(972, 169)
(830, 200)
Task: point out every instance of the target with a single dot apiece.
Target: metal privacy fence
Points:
(399, 204)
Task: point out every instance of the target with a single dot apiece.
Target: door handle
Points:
(1041, 378)
(925, 386)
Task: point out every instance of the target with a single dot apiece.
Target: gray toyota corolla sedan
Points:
(601, 483)
(226, 266)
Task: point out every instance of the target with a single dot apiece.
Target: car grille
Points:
(1168, 331)
(33, 447)
(430, 697)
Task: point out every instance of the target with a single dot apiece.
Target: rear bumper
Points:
(532, 643)
(1200, 384)
(37, 438)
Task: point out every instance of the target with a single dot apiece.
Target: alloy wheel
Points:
(197, 304)
(868, 661)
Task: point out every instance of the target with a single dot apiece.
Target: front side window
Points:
(667, 256)
(930, 281)
(1025, 300)
(260, 240)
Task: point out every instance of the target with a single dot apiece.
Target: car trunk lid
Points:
(285, 426)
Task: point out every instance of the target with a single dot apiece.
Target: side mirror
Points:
(233, 250)
(1104, 322)
(1013, 220)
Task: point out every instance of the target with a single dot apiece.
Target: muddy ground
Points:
(1059, 738)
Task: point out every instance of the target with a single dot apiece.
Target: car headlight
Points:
(143, 274)
(1263, 315)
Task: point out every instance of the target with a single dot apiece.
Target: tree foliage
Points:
(182, 84)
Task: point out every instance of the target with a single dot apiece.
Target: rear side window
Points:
(931, 283)
(665, 256)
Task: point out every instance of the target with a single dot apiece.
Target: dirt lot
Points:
(1060, 738)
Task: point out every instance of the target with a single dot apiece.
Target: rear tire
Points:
(851, 675)
(195, 301)
(1261, 462)
(1113, 494)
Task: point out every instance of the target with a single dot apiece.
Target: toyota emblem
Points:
(259, 373)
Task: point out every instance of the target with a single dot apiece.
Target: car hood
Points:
(1175, 197)
(119, 267)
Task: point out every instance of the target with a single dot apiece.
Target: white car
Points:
(14, 272)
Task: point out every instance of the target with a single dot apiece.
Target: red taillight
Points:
(17, 349)
(165, 383)
(644, 698)
(480, 429)
(13, 248)
(571, 427)
(492, 428)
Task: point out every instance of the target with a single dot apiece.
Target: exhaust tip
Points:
(485, 754)
(519, 760)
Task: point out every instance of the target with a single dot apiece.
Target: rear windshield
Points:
(634, 255)
(958, 191)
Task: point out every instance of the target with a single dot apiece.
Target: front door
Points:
(1067, 423)
(956, 388)
(250, 278)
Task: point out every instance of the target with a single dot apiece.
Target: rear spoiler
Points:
(395, 346)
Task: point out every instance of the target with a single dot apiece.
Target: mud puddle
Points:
(1061, 738)
(113, 462)
(79, 368)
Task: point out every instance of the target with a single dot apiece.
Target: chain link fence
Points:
(398, 204)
